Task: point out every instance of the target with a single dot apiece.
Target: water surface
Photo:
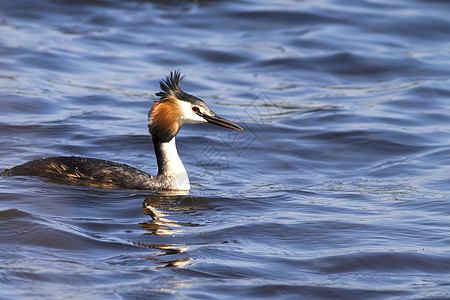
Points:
(338, 188)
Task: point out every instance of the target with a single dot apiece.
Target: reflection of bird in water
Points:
(174, 243)
(165, 119)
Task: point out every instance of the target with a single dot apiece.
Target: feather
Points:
(164, 119)
(170, 86)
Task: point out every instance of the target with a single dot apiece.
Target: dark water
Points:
(338, 188)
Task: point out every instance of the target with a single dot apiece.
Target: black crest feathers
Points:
(170, 85)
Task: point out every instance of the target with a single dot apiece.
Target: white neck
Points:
(171, 171)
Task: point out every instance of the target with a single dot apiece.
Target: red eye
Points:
(195, 109)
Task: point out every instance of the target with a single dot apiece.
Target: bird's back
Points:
(74, 170)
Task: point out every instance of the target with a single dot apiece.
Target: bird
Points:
(165, 119)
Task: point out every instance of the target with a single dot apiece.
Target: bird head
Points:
(175, 108)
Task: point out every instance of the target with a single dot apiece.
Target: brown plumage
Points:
(164, 119)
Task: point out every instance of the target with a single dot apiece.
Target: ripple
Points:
(337, 188)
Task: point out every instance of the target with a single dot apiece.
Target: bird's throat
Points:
(171, 171)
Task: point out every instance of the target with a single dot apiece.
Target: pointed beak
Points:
(216, 120)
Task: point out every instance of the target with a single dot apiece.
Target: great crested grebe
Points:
(174, 108)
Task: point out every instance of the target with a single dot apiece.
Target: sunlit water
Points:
(338, 188)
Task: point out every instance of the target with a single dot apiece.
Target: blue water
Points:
(338, 189)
